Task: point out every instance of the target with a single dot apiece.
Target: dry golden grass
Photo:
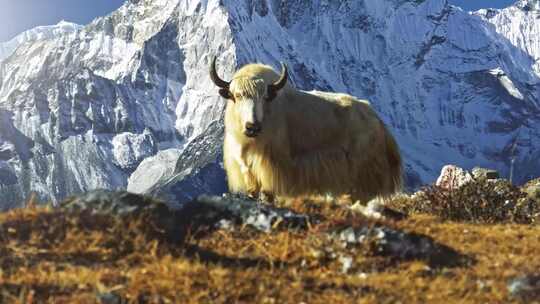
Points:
(50, 256)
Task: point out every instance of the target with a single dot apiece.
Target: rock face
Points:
(84, 107)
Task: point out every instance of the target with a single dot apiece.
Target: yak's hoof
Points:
(253, 195)
(267, 197)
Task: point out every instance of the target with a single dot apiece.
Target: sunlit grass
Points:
(52, 256)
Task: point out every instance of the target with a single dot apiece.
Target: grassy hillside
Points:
(57, 256)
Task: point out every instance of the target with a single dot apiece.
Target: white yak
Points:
(281, 141)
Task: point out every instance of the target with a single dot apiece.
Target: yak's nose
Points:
(252, 129)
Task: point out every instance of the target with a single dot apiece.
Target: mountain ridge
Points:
(84, 111)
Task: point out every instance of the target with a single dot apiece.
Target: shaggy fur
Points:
(311, 143)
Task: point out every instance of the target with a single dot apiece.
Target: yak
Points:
(285, 142)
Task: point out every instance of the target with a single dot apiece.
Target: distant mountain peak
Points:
(37, 33)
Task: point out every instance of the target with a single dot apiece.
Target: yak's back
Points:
(346, 107)
(338, 98)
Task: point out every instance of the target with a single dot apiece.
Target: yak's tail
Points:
(395, 162)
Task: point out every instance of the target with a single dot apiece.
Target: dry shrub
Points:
(480, 201)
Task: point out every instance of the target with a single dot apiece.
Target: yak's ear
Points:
(225, 93)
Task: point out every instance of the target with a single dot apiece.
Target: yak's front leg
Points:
(252, 186)
(241, 179)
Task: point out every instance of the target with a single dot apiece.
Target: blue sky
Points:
(472, 5)
(17, 16)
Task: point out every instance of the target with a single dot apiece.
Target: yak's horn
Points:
(282, 81)
(215, 78)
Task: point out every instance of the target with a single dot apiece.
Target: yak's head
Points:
(251, 92)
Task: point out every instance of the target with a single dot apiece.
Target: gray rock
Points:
(110, 298)
(525, 287)
(205, 211)
(119, 203)
(483, 173)
(401, 245)
(167, 223)
(243, 210)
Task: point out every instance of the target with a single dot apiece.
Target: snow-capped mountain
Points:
(36, 34)
(126, 101)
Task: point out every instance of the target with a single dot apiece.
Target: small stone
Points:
(346, 263)
(109, 298)
(372, 210)
(363, 275)
(225, 225)
(376, 209)
(317, 254)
